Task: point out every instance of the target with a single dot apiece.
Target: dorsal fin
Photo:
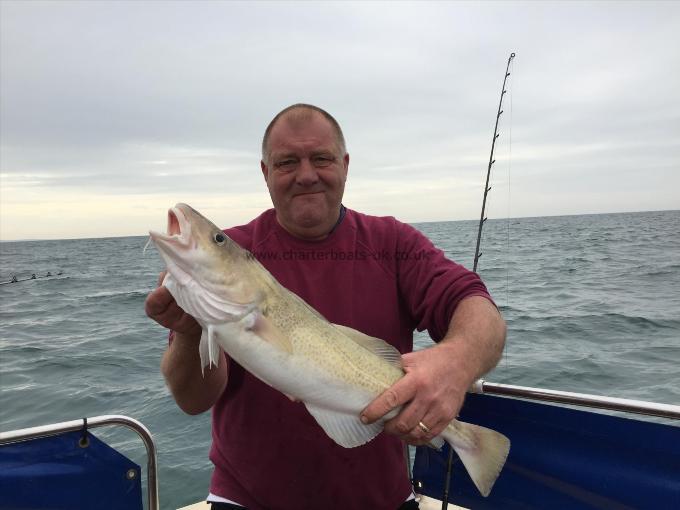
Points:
(375, 345)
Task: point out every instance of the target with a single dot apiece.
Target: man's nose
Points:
(306, 174)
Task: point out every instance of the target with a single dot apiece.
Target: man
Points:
(376, 275)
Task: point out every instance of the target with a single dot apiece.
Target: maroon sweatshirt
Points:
(376, 275)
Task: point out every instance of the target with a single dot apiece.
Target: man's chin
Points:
(313, 222)
(309, 221)
(309, 209)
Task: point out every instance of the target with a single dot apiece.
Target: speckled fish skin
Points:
(334, 370)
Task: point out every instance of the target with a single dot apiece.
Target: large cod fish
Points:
(334, 370)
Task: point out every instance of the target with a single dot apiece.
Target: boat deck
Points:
(424, 502)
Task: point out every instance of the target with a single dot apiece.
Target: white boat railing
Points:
(54, 429)
(578, 399)
(481, 387)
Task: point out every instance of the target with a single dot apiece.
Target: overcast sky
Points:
(112, 112)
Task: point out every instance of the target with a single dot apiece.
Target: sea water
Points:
(592, 304)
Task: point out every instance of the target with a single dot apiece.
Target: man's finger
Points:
(407, 419)
(397, 395)
(434, 422)
(419, 436)
(186, 324)
(173, 317)
(157, 302)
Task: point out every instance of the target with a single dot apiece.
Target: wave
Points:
(117, 293)
(664, 272)
(614, 318)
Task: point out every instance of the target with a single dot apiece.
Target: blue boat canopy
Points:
(60, 472)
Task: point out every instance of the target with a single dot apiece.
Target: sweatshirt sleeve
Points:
(430, 284)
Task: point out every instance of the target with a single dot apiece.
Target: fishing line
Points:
(511, 87)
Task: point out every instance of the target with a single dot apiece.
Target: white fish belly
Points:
(292, 374)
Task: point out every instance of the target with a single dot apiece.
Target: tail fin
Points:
(483, 452)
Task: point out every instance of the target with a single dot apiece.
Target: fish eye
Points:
(220, 238)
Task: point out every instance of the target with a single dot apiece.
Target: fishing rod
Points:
(482, 220)
(487, 188)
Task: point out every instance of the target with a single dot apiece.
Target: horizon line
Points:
(26, 240)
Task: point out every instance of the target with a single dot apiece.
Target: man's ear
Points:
(265, 170)
(345, 162)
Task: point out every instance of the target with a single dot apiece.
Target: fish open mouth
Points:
(174, 227)
(177, 246)
(177, 229)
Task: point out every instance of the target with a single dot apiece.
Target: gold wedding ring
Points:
(423, 427)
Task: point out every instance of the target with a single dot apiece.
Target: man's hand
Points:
(436, 379)
(162, 307)
(430, 393)
(194, 390)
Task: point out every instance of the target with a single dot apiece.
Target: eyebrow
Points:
(284, 155)
(294, 155)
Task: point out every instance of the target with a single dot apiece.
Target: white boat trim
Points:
(578, 399)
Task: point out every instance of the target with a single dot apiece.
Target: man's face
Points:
(305, 173)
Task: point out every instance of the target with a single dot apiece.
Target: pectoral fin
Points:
(345, 429)
(267, 330)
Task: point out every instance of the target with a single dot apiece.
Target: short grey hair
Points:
(304, 109)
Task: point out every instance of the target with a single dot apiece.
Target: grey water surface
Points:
(592, 304)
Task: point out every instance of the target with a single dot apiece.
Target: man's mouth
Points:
(308, 193)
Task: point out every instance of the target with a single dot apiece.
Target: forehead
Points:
(302, 130)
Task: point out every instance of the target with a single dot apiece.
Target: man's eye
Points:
(323, 160)
(286, 164)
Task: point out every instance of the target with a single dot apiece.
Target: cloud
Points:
(124, 100)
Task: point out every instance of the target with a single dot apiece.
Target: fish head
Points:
(206, 265)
